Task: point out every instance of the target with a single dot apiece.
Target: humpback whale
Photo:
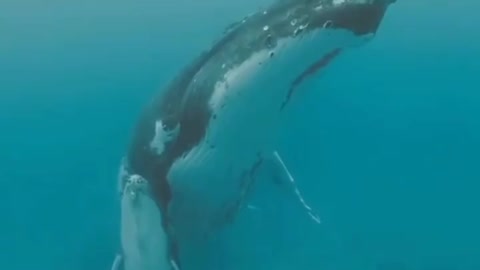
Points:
(198, 146)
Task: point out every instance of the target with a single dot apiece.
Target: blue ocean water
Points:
(386, 146)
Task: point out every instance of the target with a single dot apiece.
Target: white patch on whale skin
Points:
(162, 137)
(235, 76)
(144, 242)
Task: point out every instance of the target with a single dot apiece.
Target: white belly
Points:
(213, 177)
(209, 179)
(246, 105)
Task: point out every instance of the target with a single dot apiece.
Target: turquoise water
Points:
(387, 147)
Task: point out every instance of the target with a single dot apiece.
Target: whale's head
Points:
(361, 17)
(305, 35)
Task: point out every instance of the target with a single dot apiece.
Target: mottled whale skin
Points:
(198, 144)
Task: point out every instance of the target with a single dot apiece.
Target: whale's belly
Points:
(210, 181)
(213, 176)
(246, 106)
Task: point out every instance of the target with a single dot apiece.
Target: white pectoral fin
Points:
(117, 262)
(285, 177)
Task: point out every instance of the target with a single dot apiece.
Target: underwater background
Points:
(387, 146)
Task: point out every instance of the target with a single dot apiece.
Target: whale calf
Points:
(200, 143)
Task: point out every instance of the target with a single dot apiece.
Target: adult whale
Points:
(199, 144)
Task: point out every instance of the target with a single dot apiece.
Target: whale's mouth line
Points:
(311, 70)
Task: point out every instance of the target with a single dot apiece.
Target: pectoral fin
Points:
(284, 177)
(117, 263)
